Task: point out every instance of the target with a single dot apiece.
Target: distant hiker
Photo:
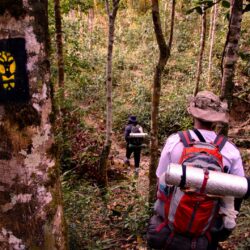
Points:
(187, 219)
(134, 144)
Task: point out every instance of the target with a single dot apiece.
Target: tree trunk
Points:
(91, 15)
(164, 55)
(202, 47)
(165, 17)
(212, 38)
(172, 25)
(106, 149)
(59, 45)
(31, 213)
(231, 51)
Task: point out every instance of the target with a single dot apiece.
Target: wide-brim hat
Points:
(132, 118)
(208, 107)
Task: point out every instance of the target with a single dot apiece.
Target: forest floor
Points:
(119, 220)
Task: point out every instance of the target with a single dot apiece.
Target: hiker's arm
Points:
(171, 153)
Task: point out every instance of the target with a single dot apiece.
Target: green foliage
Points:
(225, 4)
(96, 222)
(207, 4)
(82, 5)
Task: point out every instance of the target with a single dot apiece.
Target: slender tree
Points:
(163, 57)
(172, 25)
(31, 213)
(212, 39)
(202, 48)
(231, 51)
(91, 16)
(59, 45)
(112, 12)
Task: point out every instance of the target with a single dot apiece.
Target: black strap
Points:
(220, 141)
(247, 195)
(199, 135)
(185, 137)
(183, 177)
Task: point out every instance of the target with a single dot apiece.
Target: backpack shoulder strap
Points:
(185, 137)
(199, 135)
(220, 141)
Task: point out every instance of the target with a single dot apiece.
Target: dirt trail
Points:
(117, 155)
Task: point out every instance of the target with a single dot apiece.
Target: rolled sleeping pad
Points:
(218, 183)
(138, 135)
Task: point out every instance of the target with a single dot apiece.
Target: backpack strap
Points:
(199, 135)
(185, 137)
(220, 141)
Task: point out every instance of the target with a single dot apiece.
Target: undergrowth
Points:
(115, 221)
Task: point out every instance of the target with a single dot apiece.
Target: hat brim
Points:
(208, 115)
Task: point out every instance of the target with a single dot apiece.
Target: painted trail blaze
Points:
(7, 70)
(14, 86)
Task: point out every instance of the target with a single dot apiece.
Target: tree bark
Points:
(31, 212)
(202, 47)
(163, 57)
(91, 16)
(59, 45)
(212, 38)
(172, 25)
(106, 149)
(231, 51)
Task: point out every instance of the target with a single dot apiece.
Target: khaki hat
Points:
(207, 106)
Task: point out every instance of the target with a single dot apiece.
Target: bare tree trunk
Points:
(165, 17)
(211, 22)
(231, 51)
(106, 149)
(91, 15)
(59, 45)
(202, 47)
(172, 25)
(163, 57)
(31, 213)
(212, 39)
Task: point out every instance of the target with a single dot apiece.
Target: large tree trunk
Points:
(212, 39)
(202, 48)
(106, 149)
(164, 55)
(59, 45)
(31, 213)
(231, 51)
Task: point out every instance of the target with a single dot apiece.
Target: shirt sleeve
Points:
(237, 166)
(232, 159)
(165, 158)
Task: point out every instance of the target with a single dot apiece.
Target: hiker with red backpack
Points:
(192, 219)
(134, 144)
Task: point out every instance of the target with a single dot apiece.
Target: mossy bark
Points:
(30, 195)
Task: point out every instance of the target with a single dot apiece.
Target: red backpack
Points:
(192, 212)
